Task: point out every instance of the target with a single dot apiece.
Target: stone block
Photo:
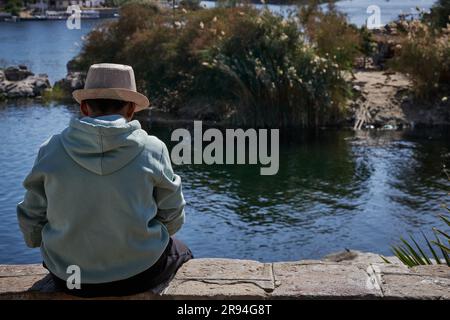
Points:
(315, 280)
(423, 282)
(221, 279)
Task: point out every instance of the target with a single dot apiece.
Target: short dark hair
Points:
(106, 106)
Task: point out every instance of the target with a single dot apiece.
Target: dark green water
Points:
(334, 190)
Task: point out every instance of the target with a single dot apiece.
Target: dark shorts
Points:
(162, 271)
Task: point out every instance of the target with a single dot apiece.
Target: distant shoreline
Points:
(112, 12)
(52, 15)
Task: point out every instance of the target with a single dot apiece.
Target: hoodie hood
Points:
(104, 144)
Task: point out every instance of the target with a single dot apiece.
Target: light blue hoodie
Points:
(101, 195)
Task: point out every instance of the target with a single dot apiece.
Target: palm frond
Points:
(446, 220)
(385, 260)
(443, 249)
(427, 260)
(433, 252)
(412, 254)
(417, 258)
(442, 233)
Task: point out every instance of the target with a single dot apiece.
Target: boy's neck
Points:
(111, 116)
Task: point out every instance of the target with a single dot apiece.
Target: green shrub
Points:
(440, 13)
(55, 94)
(275, 78)
(13, 6)
(424, 54)
(257, 65)
(106, 43)
(331, 33)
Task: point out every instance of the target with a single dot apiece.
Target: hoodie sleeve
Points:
(169, 196)
(32, 211)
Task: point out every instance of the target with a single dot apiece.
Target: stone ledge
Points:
(350, 275)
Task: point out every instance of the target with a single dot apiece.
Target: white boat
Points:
(9, 18)
(55, 15)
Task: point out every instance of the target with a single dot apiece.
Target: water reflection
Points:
(334, 188)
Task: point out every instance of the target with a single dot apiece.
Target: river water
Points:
(334, 189)
(356, 10)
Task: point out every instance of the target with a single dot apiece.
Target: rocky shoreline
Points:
(19, 82)
(74, 80)
(381, 100)
(384, 100)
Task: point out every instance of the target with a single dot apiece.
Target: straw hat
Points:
(111, 81)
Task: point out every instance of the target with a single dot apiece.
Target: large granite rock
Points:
(74, 80)
(17, 73)
(19, 82)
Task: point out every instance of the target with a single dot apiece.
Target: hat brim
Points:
(137, 98)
